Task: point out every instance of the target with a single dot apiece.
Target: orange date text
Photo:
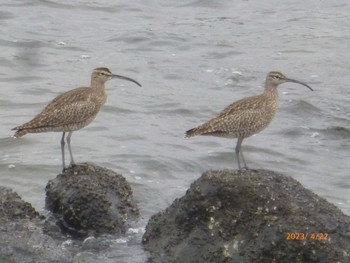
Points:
(306, 236)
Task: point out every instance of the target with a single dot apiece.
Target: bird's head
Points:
(275, 78)
(104, 74)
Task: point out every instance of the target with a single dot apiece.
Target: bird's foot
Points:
(72, 165)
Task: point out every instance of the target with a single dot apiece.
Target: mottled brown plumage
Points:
(72, 110)
(247, 116)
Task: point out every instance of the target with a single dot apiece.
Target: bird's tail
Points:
(191, 133)
(19, 132)
(207, 128)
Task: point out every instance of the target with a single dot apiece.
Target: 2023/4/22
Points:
(305, 236)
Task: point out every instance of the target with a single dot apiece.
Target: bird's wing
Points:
(69, 97)
(70, 113)
(245, 104)
(235, 124)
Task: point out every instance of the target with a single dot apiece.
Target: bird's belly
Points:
(256, 127)
(73, 127)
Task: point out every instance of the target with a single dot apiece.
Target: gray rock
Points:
(248, 216)
(21, 236)
(88, 199)
(13, 207)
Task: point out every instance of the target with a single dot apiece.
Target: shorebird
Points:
(247, 116)
(72, 110)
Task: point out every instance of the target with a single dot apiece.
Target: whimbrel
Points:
(72, 110)
(247, 116)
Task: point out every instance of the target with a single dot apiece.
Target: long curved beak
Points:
(125, 78)
(299, 82)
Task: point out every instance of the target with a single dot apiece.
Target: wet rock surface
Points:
(21, 235)
(27, 236)
(91, 200)
(13, 207)
(248, 216)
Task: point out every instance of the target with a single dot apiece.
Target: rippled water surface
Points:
(193, 58)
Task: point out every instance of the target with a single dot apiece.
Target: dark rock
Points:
(248, 216)
(21, 236)
(88, 199)
(13, 207)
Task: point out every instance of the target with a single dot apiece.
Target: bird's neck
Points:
(98, 89)
(97, 84)
(271, 90)
(98, 92)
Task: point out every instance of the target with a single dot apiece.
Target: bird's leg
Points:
(62, 150)
(238, 147)
(241, 152)
(70, 149)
